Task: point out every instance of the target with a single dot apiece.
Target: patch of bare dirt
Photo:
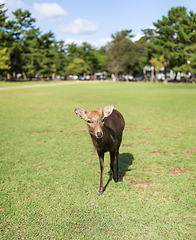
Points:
(40, 132)
(175, 171)
(81, 128)
(189, 154)
(128, 130)
(53, 84)
(159, 152)
(129, 127)
(28, 118)
(32, 93)
(139, 182)
(147, 130)
(136, 163)
(43, 110)
(143, 170)
(160, 165)
(131, 124)
(127, 146)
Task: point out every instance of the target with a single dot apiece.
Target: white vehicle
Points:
(75, 77)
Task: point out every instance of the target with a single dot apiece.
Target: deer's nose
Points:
(99, 134)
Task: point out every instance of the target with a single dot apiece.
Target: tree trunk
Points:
(24, 76)
(8, 76)
(152, 75)
(115, 76)
(156, 77)
(165, 72)
(193, 77)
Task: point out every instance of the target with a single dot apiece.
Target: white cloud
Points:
(49, 11)
(76, 41)
(80, 26)
(14, 4)
(11, 5)
(152, 27)
(97, 44)
(137, 37)
(101, 42)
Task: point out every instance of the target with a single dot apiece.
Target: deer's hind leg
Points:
(112, 159)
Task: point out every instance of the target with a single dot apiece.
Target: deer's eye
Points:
(102, 120)
(88, 121)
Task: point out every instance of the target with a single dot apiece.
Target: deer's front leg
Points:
(101, 161)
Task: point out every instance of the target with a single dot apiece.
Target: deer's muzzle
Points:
(99, 135)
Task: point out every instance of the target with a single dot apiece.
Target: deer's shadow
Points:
(125, 161)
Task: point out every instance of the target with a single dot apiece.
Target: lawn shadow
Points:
(125, 161)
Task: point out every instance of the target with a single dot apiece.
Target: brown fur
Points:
(105, 128)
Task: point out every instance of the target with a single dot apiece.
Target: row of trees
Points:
(171, 44)
(24, 49)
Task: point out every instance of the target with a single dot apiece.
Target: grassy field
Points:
(49, 170)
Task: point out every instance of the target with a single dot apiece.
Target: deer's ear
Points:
(80, 113)
(108, 110)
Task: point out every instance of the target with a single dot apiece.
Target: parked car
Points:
(170, 79)
(100, 76)
(75, 77)
(82, 78)
(124, 77)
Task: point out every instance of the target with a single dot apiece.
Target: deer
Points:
(105, 127)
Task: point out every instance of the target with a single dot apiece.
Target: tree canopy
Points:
(4, 59)
(174, 37)
(123, 54)
(24, 49)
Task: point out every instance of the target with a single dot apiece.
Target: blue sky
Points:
(94, 21)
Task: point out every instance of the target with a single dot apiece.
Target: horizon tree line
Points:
(170, 45)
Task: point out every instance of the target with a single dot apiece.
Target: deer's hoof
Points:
(115, 178)
(100, 193)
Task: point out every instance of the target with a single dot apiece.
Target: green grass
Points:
(50, 173)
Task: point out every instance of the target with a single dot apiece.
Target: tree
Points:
(5, 38)
(122, 54)
(5, 27)
(146, 50)
(158, 63)
(45, 45)
(175, 38)
(59, 58)
(31, 54)
(77, 67)
(85, 52)
(39, 53)
(22, 30)
(101, 56)
(88, 54)
(4, 60)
